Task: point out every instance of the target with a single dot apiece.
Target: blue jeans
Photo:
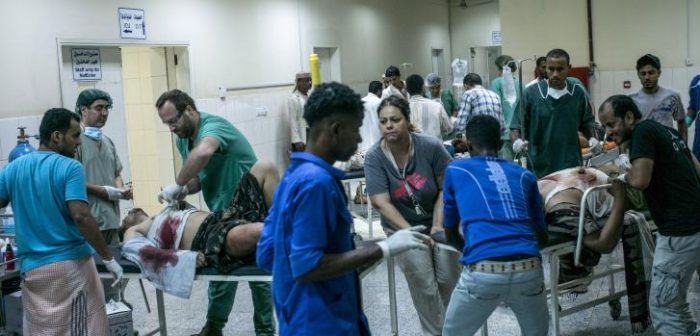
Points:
(477, 295)
(675, 259)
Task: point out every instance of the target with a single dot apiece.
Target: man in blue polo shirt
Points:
(499, 207)
(306, 241)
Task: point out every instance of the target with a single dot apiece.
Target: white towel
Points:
(171, 271)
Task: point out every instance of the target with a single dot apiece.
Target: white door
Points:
(111, 83)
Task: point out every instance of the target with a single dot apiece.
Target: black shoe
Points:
(210, 330)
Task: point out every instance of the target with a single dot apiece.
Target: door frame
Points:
(77, 42)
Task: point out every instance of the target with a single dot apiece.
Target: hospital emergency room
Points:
(356, 167)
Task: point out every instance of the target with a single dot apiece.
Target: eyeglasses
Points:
(102, 109)
(173, 121)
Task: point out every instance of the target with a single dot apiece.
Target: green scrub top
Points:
(506, 107)
(448, 102)
(235, 156)
(552, 125)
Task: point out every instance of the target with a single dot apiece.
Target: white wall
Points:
(472, 26)
(233, 42)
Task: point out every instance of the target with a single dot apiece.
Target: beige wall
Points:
(150, 144)
(232, 42)
(532, 27)
(623, 30)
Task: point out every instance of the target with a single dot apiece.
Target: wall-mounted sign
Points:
(496, 37)
(132, 23)
(86, 64)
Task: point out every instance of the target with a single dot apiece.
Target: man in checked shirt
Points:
(477, 100)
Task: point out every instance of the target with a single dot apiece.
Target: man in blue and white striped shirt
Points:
(477, 100)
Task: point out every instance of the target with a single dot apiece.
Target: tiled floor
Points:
(187, 316)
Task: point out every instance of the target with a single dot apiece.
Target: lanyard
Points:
(390, 156)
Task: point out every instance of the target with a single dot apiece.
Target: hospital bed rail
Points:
(555, 289)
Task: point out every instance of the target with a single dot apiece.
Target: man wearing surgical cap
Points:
(434, 84)
(100, 160)
(295, 108)
(658, 103)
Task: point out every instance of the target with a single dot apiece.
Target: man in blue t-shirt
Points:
(499, 207)
(669, 176)
(55, 237)
(306, 241)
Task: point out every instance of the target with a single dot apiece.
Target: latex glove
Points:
(519, 146)
(622, 177)
(689, 121)
(595, 145)
(116, 270)
(623, 161)
(113, 193)
(173, 192)
(404, 240)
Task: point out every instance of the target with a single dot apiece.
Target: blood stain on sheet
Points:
(155, 259)
(167, 233)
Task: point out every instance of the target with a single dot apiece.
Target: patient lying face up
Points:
(181, 226)
(562, 192)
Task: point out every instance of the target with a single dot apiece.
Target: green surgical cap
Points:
(87, 97)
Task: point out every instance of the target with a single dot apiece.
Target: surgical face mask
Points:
(557, 93)
(93, 133)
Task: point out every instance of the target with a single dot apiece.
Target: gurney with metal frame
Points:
(554, 290)
(245, 273)
(132, 271)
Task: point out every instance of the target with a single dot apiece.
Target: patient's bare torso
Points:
(568, 185)
(170, 224)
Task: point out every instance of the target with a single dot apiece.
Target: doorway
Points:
(437, 59)
(483, 63)
(328, 63)
(135, 75)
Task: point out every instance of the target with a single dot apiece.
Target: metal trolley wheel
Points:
(615, 309)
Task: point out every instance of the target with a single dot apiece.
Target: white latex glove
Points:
(519, 146)
(404, 240)
(595, 145)
(173, 192)
(623, 161)
(622, 177)
(113, 193)
(116, 270)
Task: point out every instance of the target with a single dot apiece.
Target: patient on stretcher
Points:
(562, 192)
(169, 246)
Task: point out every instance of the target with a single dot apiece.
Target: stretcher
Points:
(555, 252)
(243, 274)
(132, 271)
(358, 176)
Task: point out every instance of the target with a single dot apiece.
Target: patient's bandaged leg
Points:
(562, 227)
(248, 206)
(171, 271)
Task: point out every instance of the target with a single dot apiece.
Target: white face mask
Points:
(93, 133)
(556, 93)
